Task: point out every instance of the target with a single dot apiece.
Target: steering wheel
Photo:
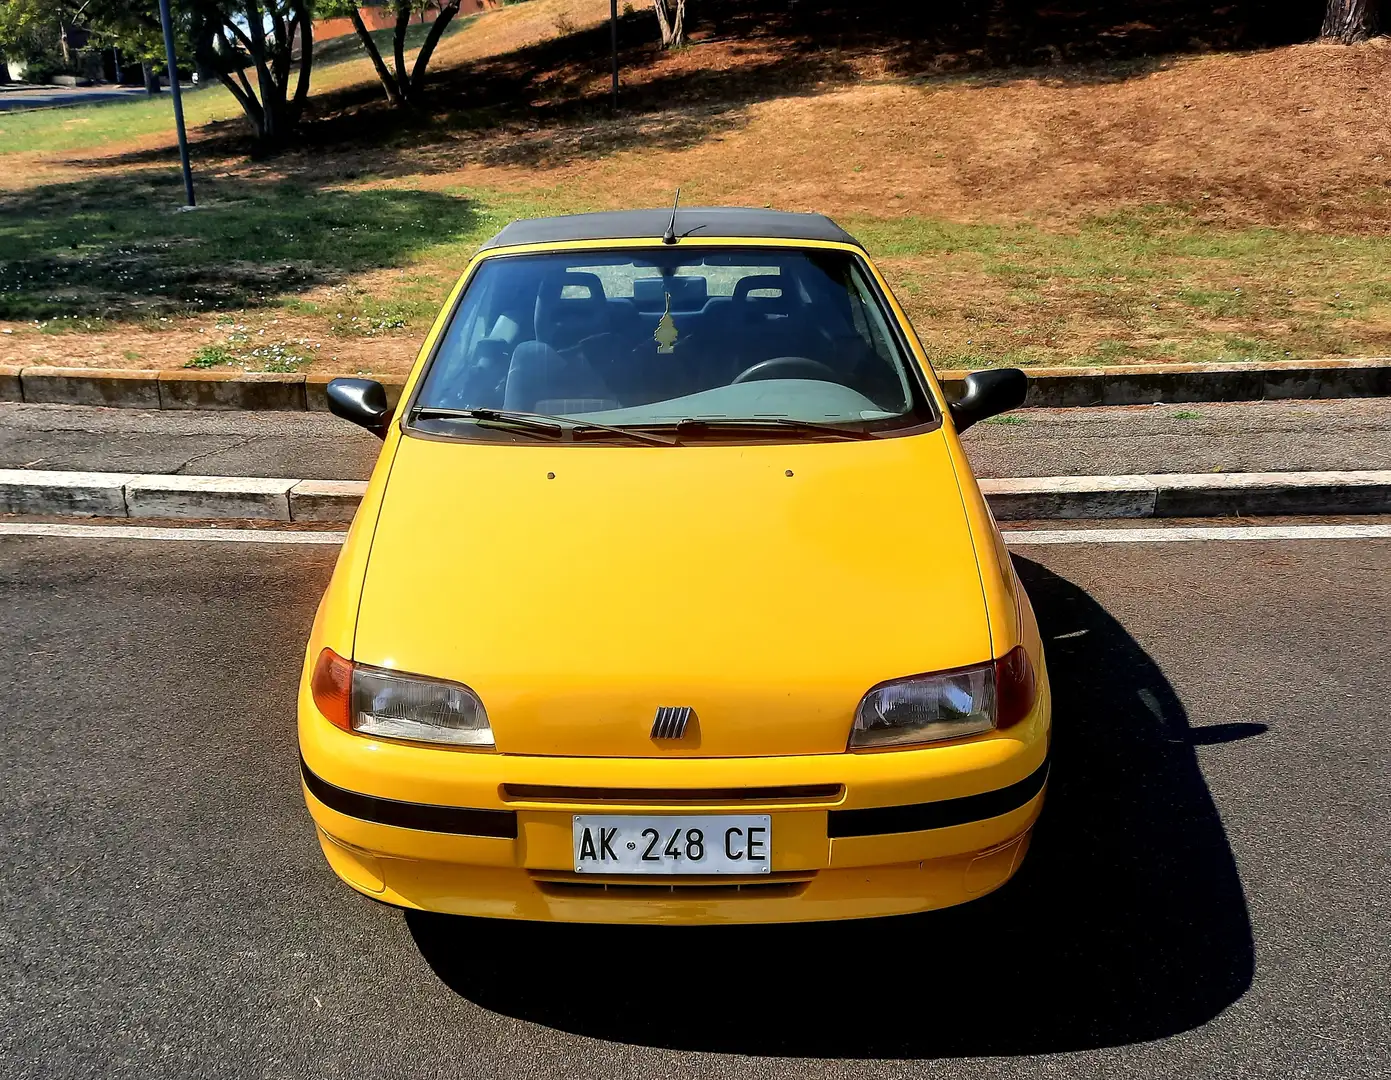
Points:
(778, 366)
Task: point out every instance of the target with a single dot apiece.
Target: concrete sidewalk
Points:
(1199, 438)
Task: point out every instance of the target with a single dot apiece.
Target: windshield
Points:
(653, 337)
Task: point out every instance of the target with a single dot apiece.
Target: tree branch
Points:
(398, 45)
(422, 59)
(240, 71)
(222, 67)
(306, 59)
(388, 83)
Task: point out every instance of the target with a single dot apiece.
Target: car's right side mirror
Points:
(363, 401)
(988, 393)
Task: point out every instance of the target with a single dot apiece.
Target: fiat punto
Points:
(672, 597)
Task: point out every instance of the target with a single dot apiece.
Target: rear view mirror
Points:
(363, 401)
(988, 393)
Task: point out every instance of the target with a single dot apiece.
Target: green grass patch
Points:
(117, 248)
(254, 353)
(210, 356)
(84, 127)
(1147, 286)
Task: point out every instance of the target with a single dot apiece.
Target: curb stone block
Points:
(1061, 388)
(326, 500)
(1265, 494)
(267, 391)
(951, 383)
(1179, 383)
(267, 498)
(316, 390)
(77, 494)
(1070, 497)
(90, 386)
(10, 388)
(1327, 379)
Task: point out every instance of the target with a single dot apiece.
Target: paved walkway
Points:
(1237, 437)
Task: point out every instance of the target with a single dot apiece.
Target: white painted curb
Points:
(1038, 498)
(1043, 498)
(127, 495)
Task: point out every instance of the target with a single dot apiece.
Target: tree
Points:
(228, 38)
(671, 20)
(134, 29)
(260, 34)
(403, 88)
(33, 29)
(1350, 21)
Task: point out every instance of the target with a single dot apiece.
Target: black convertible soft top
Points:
(733, 221)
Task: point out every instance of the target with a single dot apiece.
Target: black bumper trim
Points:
(461, 820)
(878, 820)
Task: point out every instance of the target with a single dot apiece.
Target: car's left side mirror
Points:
(363, 401)
(988, 393)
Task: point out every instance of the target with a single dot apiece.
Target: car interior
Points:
(583, 334)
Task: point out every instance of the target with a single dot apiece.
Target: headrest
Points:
(760, 282)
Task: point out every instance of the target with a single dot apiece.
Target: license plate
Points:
(652, 844)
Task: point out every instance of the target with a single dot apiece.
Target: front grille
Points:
(787, 793)
(560, 884)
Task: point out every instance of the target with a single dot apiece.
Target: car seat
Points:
(563, 321)
(540, 379)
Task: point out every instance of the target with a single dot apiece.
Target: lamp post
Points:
(168, 24)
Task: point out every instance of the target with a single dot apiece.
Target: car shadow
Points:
(1126, 923)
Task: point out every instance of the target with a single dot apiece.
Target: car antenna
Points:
(669, 237)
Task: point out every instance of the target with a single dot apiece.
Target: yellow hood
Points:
(767, 587)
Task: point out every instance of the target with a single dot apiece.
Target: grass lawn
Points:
(1151, 285)
(1168, 236)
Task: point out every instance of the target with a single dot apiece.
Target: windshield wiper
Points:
(695, 425)
(541, 424)
(531, 423)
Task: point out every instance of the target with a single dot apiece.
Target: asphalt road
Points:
(1207, 895)
(1238, 436)
(55, 97)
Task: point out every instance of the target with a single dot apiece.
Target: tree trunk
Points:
(671, 20)
(1350, 21)
(398, 45)
(306, 62)
(393, 93)
(223, 62)
(422, 58)
(147, 72)
(4, 70)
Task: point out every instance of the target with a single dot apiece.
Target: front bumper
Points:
(855, 834)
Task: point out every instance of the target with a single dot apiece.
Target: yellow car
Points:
(672, 598)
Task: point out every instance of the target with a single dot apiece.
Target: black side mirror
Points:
(363, 401)
(987, 393)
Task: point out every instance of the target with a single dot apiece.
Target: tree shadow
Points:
(1126, 923)
(548, 103)
(116, 246)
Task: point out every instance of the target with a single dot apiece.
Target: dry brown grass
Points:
(1296, 136)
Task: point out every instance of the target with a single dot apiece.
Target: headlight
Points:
(390, 705)
(947, 704)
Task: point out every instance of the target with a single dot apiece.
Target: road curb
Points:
(1039, 498)
(260, 391)
(1276, 380)
(1173, 495)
